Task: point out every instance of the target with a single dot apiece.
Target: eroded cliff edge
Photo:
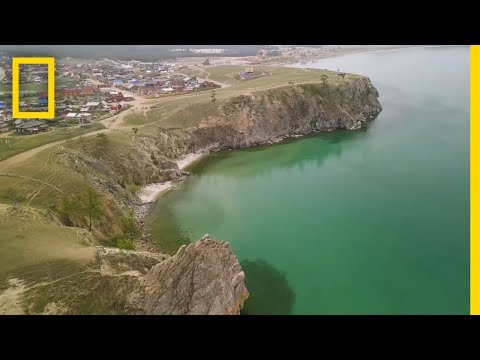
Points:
(268, 116)
(202, 278)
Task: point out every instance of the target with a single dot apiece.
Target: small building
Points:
(43, 101)
(31, 126)
(92, 104)
(71, 115)
(3, 127)
(116, 107)
(84, 117)
(131, 86)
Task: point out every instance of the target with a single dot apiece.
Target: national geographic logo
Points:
(16, 62)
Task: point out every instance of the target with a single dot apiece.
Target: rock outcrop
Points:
(203, 278)
(269, 116)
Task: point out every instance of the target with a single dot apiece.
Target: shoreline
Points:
(150, 193)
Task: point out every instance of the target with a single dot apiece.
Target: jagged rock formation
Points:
(202, 278)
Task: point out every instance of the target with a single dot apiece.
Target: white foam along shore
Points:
(150, 193)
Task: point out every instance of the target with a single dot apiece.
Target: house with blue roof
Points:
(43, 101)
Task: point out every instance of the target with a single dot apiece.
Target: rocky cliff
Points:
(200, 279)
(268, 116)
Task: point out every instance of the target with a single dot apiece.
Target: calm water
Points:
(369, 222)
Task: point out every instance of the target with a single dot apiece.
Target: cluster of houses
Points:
(78, 101)
(26, 127)
(80, 105)
(149, 79)
(28, 73)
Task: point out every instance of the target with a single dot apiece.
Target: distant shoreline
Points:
(358, 51)
(338, 53)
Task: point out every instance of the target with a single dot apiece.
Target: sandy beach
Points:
(151, 192)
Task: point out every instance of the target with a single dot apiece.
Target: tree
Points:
(135, 130)
(214, 98)
(91, 205)
(130, 226)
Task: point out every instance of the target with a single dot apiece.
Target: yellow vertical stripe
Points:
(474, 180)
(16, 113)
(15, 87)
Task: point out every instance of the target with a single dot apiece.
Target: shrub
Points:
(130, 226)
(133, 188)
(125, 244)
(118, 242)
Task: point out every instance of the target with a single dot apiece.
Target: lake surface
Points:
(368, 222)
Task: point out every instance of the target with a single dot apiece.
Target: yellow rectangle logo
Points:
(16, 62)
(474, 180)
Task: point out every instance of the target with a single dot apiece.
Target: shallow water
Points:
(368, 222)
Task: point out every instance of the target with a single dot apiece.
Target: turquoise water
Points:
(369, 222)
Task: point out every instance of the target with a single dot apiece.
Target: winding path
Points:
(110, 124)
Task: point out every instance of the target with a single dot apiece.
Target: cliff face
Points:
(203, 278)
(268, 116)
(200, 279)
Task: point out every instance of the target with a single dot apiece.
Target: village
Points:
(87, 93)
(151, 80)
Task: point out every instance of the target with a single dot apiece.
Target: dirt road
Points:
(110, 124)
